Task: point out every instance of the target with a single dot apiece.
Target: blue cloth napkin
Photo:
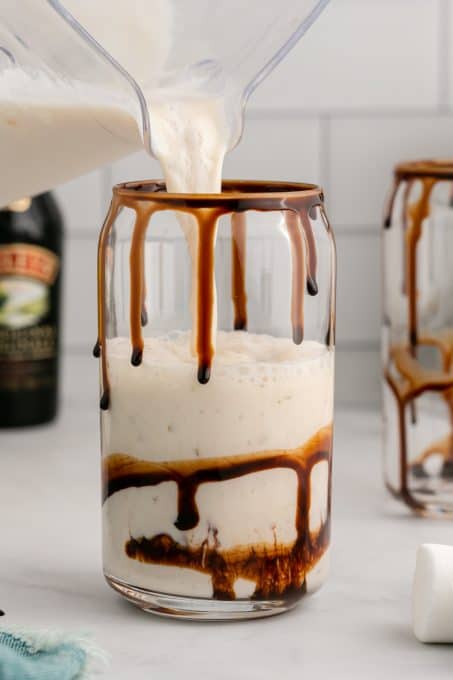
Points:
(46, 655)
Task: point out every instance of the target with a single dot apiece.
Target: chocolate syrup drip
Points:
(97, 349)
(328, 340)
(404, 222)
(390, 203)
(137, 281)
(146, 198)
(417, 213)
(412, 379)
(100, 347)
(312, 286)
(203, 373)
(298, 258)
(137, 356)
(407, 221)
(238, 259)
(188, 516)
(143, 312)
(105, 399)
(207, 226)
(304, 265)
(275, 569)
(330, 332)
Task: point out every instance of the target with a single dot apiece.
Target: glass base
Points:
(197, 608)
(431, 500)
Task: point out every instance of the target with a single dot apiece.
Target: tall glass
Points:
(418, 337)
(216, 339)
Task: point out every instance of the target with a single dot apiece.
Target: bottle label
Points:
(28, 331)
(22, 259)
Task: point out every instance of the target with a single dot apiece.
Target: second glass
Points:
(418, 337)
(216, 338)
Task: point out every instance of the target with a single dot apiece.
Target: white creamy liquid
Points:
(52, 135)
(265, 394)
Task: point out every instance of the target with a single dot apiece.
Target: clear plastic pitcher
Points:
(73, 100)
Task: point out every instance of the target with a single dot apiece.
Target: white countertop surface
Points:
(357, 626)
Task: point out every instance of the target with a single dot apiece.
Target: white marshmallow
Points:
(432, 595)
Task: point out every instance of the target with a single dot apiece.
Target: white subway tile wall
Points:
(362, 54)
(83, 203)
(362, 153)
(80, 304)
(270, 150)
(370, 84)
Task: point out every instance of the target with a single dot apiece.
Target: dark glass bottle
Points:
(31, 236)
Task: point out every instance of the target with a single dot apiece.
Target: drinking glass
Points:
(418, 337)
(216, 340)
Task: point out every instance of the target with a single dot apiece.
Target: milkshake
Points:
(216, 443)
(418, 338)
(219, 490)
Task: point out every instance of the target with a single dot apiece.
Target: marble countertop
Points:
(357, 626)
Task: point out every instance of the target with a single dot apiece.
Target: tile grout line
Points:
(263, 114)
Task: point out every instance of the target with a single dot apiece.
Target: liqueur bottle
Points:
(31, 235)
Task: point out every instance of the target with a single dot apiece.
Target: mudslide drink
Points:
(216, 335)
(418, 337)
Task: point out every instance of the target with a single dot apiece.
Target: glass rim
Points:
(233, 192)
(437, 168)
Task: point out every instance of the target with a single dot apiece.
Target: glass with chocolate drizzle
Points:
(418, 337)
(216, 343)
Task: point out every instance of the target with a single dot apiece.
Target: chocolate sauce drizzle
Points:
(137, 280)
(276, 569)
(312, 285)
(299, 275)
(99, 350)
(144, 311)
(238, 258)
(297, 202)
(412, 379)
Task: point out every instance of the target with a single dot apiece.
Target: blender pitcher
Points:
(74, 95)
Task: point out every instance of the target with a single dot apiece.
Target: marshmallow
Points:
(432, 595)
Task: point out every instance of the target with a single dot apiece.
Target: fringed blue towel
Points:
(46, 655)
